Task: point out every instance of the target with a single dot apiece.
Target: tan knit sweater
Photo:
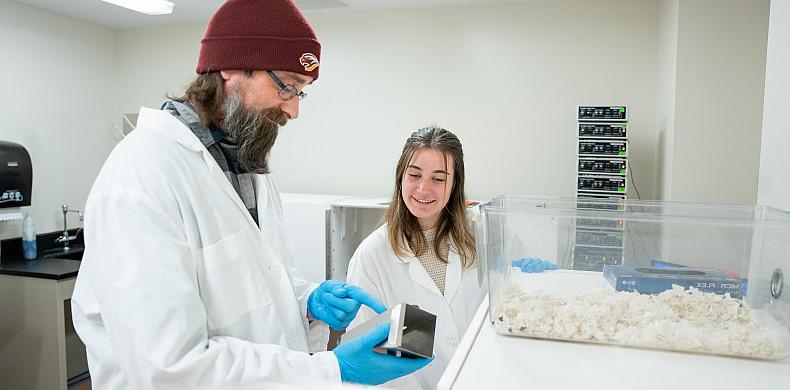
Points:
(436, 268)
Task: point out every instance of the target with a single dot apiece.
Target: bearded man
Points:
(187, 280)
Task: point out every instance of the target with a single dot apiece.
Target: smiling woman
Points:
(425, 253)
(429, 196)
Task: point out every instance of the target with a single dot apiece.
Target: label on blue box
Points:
(654, 280)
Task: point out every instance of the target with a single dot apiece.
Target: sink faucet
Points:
(65, 238)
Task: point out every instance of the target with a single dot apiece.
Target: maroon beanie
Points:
(259, 35)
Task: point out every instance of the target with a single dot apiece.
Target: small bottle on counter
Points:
(29, 238)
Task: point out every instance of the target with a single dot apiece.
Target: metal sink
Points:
(74, 253)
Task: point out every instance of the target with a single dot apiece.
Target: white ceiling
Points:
(187, 11)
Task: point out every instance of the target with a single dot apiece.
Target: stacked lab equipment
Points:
(602, 167)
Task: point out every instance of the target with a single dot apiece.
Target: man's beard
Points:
(254, 131)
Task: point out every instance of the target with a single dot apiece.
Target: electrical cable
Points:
(633, 182)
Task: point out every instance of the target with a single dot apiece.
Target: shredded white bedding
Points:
(676, 319)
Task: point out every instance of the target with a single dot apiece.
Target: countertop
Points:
(56, 269)
(42, 267)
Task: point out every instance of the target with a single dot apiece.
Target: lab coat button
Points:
(273, 269)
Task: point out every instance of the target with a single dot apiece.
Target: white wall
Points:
(506, 79)
(59, 102)
(774, 189)
(155, 61)
(720, 73)
(665, 104)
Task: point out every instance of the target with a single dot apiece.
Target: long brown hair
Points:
(403, 229)
(206, 92)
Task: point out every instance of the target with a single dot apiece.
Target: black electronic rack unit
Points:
(601, 185)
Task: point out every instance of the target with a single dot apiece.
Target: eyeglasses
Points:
(287, 91)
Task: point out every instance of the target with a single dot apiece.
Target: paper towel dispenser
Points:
(16, 175)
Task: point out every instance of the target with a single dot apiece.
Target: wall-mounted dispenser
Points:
(16, 175)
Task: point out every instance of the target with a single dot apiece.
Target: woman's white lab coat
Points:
(393, 280)
(179, 288)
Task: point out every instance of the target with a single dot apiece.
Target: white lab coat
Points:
(179, 288)
(393, 280)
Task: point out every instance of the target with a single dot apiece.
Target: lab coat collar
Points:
(164, 124)
(452, 278)
(169, 127)
(187, 114)
(419, 275)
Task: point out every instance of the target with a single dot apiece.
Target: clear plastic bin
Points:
(663, 275)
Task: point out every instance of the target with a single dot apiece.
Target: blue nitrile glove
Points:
(360, 364)
(533, 265)
(337, 303)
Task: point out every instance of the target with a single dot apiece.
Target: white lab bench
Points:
(485, 359)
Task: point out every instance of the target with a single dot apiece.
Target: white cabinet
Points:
(325, 230)
(352, 220)
(38, 346)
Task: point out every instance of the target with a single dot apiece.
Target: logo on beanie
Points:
(309, 61)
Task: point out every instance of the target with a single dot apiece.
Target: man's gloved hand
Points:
(360, 364)
(533, 264)
(337, 303)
